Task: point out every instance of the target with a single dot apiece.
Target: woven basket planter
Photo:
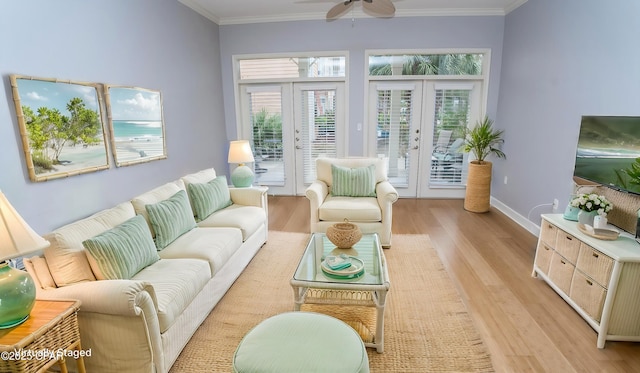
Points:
(478, 194)
(344, 235)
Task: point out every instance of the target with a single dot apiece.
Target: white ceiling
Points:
(224, 12)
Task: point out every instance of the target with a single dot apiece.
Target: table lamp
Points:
(240, 153)
(17, 290)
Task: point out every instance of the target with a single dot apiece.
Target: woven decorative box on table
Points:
(344, 235)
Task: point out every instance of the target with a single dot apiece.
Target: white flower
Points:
(592, 202)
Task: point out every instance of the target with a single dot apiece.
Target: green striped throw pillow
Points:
(122, 251)
(207, 198)
(171, 218)
(353, 182)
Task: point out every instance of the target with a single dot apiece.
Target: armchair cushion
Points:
(353, 182)
(171, 218)
(207, 198)
(365, 209)
(122, 251)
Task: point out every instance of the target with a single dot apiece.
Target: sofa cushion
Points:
(199, 177)
(122, 251)
(154, 196)
(176, 283)
(353, 182)
(66, 256)
(171, 218)
(365, 209)
(39, 271)
(207, 198)
(215, 245)
(246, 218)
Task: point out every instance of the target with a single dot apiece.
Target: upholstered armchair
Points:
(356, 189)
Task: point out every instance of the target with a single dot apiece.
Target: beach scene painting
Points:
(61, 126)
(136, 124)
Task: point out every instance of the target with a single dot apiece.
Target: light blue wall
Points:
(155, 44)
(364, 34)
(561, 60)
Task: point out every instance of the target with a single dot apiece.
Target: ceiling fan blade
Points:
(384, 8)
(339, 9)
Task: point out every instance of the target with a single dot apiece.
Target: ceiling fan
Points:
(380, 8)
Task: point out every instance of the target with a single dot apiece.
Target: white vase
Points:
(586, 217)
(600, 222)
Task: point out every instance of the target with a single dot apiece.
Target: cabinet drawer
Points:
(543, 257)
(568, 246)
(595, 264)
(588, 294)
(548, 233)
(561, 272)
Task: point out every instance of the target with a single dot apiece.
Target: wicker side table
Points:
(48, 336)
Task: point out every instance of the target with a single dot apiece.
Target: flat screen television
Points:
(607, 147)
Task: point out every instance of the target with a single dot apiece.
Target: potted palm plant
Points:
(482, 140)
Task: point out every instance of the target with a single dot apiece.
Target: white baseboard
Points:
(521, 220)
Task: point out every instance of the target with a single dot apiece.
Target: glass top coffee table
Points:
(356, 295)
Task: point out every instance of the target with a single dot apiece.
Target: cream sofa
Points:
(372, 213)
(142, 323)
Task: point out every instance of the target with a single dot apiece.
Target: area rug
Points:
(427, 326)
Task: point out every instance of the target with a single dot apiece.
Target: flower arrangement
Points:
(592, 202)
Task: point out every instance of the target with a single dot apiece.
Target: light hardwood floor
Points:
(525, 324)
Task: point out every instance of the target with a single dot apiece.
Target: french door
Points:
(290, 125)
(419, 129)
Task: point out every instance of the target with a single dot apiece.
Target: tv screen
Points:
(607, 148)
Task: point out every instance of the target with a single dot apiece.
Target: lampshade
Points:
(240, 152)
(17, 290)
(16, 236)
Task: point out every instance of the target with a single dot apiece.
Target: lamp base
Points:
(17, 296)
(242, 176)
(14, 323)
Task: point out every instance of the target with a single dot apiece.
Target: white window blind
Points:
(318, 127)
(394, 118)
(451, 118)
(265, 113)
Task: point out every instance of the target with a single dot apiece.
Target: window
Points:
(426, 64)
(292, 67)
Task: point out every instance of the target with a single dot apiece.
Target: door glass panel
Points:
(316, 135)
(452, 113)
(394, 118)
(266, 123)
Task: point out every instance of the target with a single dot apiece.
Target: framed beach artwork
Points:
(136, 124)
(61, 126)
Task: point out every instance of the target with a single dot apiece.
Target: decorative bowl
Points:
(344, 235)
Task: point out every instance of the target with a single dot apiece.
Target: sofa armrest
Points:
(386, 193)
(252, 196)
(111, 297)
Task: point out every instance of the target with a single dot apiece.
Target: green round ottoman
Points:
(301, 342)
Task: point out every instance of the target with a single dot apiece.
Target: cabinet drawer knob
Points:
(595, 255)
(589, 283)
(569, 238)
(563, 262)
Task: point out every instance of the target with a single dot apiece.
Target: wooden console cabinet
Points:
(599, 279)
